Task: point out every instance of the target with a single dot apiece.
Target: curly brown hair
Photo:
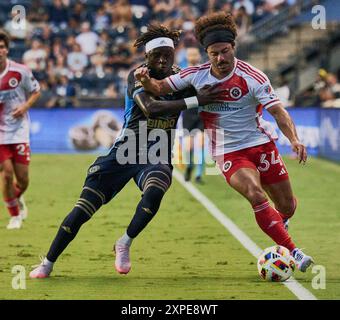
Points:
(214, 22)
(157, 31)
(4, 37)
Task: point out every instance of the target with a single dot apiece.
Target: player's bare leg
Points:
(285, 203)
(247, 182)
(8, 192)
(7, 178)
(20, 186)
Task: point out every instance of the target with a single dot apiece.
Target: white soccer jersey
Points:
(16, 84)
(236, 123)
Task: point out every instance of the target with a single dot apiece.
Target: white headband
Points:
(159, 42)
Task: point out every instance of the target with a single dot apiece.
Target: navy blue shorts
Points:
(109, 177)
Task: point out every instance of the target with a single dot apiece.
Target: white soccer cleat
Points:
(43, 270)
(302, 261)
(22, 208)
(122, 262)
(14, 223)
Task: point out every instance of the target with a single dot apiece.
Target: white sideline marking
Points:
(293, 285)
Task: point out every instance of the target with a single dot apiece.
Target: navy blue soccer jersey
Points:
(137, 127)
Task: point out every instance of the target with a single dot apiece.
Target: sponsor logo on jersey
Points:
(227, 165)
(161, 124)
(8, 95)
(235, 92)
(94, 169)
(220, 107)
(268, 89)
(13, 82)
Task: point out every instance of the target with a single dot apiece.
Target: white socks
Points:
(47, 263)
(125, 240)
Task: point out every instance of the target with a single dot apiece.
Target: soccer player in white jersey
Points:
(19, 90)
(242, 148)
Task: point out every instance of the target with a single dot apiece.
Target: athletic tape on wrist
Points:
(191, 102)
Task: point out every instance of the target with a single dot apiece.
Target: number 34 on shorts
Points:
(263, 158)
(265, 164)
(271, 166)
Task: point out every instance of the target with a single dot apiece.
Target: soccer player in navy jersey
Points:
(147, 161)
(241, 146)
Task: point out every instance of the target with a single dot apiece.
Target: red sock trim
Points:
(261, 206)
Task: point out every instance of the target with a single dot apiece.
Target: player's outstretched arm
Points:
(152, 107)
(156, 87)
(287, 126)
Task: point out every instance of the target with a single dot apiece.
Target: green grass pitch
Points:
(184, 253)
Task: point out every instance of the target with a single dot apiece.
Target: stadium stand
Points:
(86, 46)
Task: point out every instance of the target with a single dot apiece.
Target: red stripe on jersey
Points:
(193, 71)
(173, 83)
(187, 70)
(196, 68)
(211, 124)
(18, 65)
(275, 100)
(255, 76)
(259, 72)
(263, 131)
(205, 64)
(253, 70)
(259, 108)
(251, 74)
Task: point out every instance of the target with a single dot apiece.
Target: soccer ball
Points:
(275, 264)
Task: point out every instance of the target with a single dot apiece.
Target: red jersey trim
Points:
(173, 84)
(252, 74)
(270, 102)
(193, 71)
(252, 69)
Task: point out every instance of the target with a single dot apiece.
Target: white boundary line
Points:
(293, 285)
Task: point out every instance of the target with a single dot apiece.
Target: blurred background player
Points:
(246, 154)
(19, 90)
(108, 175)
(193, 126)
